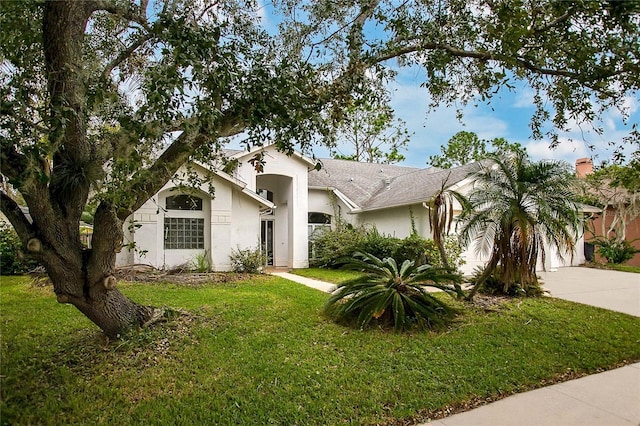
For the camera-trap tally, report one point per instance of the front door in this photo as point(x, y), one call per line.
point(266, 239)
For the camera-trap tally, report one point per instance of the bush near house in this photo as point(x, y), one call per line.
point(615, 250)
point(250, 260)
point(333, 248)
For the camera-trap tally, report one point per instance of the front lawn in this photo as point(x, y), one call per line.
point(335, 276)
point(615, 267)
point(260, 352)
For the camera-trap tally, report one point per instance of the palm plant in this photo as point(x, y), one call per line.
point(392, 294)
point(516, 207)
point(441, 210)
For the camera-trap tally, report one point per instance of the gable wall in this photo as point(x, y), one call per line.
point(230, 218)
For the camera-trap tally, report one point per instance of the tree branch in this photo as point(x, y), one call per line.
point(147, 182)
point(13, 162)
point(125, 54)
point(13, 212)
point(130, 11)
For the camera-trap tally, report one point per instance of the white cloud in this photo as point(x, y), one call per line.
point(524, 98)
point(566, 150)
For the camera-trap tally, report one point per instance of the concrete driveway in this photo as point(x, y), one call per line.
point(617, 291)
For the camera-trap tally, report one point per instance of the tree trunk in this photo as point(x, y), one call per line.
point(106, 306)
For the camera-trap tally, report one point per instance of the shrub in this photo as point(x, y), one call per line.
point(419, 249)
point(12, 261)
point(249, 260)
point(377, 244)
point(615, 251)
point(333, 248)
point(333, 245)
point(393, 295)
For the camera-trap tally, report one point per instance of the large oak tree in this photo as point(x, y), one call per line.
point(108, 98)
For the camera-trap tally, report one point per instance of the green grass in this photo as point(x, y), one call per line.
point(335, 276)
point(260, 352)
point(615, 267)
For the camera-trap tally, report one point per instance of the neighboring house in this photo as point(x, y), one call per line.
point(282, 205)
point(584, 166)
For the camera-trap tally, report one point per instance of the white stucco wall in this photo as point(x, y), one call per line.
point(231, 220)
point(287, 178)
point(397, 221)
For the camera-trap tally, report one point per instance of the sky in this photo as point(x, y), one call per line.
point(508, 117)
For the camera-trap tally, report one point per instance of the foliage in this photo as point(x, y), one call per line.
point(256, 351)
point(334, 247)
point(615, 250)
point(516, 207)
point(378, 244)
point(418, 249)
point(391, 294)
point(466, 147)
point(616, 189)
point(12, 260)
point(335, 244)
point(371, 135)
point(453, 251)
point(201, 262)
point(249, 260)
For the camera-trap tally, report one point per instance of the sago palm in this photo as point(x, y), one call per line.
point(392, 294)
point(516, 207)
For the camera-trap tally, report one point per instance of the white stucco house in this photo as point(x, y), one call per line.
point(279, 207)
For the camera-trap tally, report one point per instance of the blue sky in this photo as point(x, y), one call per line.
point(508, 116)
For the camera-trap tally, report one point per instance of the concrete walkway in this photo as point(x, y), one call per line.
point(611, 398)
point(309, 282)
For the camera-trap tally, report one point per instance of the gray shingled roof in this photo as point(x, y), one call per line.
point(377, 186)
point(358, 181)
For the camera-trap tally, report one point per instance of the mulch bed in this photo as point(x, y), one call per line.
point(148, 274)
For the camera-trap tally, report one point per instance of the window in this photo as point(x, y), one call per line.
point(317, 217)
point(318, 223)
point(183, 233)
point(183, 202)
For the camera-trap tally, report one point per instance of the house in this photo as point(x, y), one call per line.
point(247, 210)
point(584, 167)
point(280, 206)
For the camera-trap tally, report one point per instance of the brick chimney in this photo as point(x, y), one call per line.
point(584, 166)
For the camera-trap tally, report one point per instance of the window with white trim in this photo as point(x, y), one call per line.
point(184, 232)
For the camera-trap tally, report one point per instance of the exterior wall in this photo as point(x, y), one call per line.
point(243, 228)
point(287, 178)
point(231, 220)
point(397, 221)
point(323, 201)
point(632, 233)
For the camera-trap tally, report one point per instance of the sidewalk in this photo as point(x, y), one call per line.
point(318, 285)
point(611, 398)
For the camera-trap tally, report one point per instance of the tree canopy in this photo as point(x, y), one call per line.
point(616, 186)
point(108, 98)
point(370, 134)
point(466, 147)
